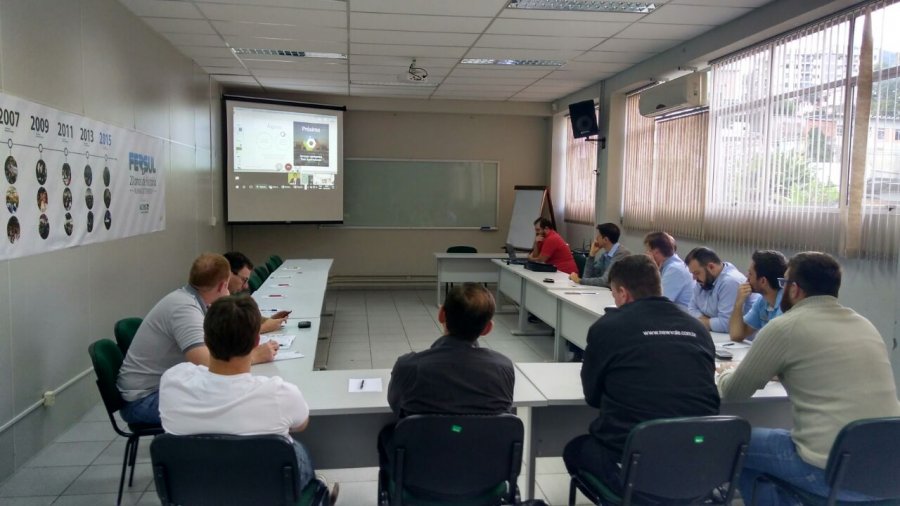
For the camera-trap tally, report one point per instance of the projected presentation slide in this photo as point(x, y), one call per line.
point(284, 161)
point(298, 146)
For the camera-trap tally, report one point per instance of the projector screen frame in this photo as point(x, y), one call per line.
point(226, 149)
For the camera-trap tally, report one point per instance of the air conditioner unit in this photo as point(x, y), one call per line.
point(686, 92)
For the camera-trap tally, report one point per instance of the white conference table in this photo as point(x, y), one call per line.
point(567, 415)
point(533, 293)
point(577, 310)
point(297, 286)
point(465, 268)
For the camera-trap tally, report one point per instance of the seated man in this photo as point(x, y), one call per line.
point(712, 300)
point(646, 360)
point(676, 278)
point(171, 333)
point(549, 247)
point(241, 268)
point(224, 398)
point(455, 376)
point(596, 269)
point(766, 266)
point(833, 364)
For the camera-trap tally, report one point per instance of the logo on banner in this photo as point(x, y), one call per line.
point(143, 174)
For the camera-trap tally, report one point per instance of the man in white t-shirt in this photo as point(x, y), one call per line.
point(224, 398)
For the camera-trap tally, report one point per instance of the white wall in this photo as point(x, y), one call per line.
point(92, 57)
point(516, 135)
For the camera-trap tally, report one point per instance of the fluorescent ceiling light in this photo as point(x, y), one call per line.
point(583, 5)
point(529, 63)
point(280, 52)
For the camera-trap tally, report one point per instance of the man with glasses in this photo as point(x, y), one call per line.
point(766, 267)
point(241, 267)
point(833, 364)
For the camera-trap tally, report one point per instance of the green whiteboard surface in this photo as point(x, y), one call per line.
point(420, 193)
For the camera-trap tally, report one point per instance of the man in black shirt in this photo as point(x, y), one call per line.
point(454, 376)
point(645, 360)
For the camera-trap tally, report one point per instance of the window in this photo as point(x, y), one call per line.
point(581, 188)
point(665, 171)
point(785, 169)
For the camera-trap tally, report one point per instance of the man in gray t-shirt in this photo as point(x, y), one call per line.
point(173, 333)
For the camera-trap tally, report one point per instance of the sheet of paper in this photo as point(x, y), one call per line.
point(283, 340)
point(365, 385)
point(280, 276)
point(735, 346)
point(287, 355)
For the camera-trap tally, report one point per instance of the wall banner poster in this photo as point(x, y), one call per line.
point(70, 180)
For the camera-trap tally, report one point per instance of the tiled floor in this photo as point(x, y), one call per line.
point(368, 329)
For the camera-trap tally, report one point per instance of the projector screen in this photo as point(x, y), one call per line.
point(284, 162)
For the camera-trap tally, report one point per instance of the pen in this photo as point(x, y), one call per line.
point(362, 383)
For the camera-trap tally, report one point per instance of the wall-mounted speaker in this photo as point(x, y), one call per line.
point(584, 119)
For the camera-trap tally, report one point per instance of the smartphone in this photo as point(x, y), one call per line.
point(724, 354)
point(549, 280)
point(304, 324)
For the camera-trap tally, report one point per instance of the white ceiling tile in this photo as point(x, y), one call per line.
point(163, 8)
point(509, 81)
point(536, 42)
point(380, 69)
point(520, 97)
point(465, 95)
point(592, 67)
point(288, 81)
point(469, 88)
point(237, 71)
point(235, 79)
point(210, 61)
point(555, 28)
point(412, 38)
point(523, 54)
point(409, 51)
point(694, 14)
point(204, 51)
point(413, 23)
point(268, 30)
point(365, 59)
point(334, 5)
point(371, 90)
point(480, 8)
point(319, 46)
point(594, 17)
point(194, 39)
point(661, 31)
point(613, 56)
point(300, 75)
point(275, 15)
point(648, 45)
point(729, 3)
point(172, 25)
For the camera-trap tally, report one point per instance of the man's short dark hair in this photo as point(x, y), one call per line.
point(544, 222)
point(637, 274)
point(610, 231)
point(238, 261)
point(703, 256)
point(769, 264)
point(660, 241)
point(231, 326)
point(816, 273)
point(468, 309)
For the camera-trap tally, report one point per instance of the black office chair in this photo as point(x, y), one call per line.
point(223, 470)
point(458, 249)
point(674, 460)
point(580, 259)
point(124, 330)
point(107, 360)
point(865, 458)
point(454, 460)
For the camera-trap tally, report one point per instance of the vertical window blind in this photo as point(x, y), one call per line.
point(581, 187)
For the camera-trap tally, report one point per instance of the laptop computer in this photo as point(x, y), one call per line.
point(511, 251)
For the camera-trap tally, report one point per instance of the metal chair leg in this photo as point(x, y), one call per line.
point(132, 459)
point(124, 468)
point(571, 492)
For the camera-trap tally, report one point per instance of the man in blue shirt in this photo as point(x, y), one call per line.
point(717, 286)
point(676, 279)
point(766, 266)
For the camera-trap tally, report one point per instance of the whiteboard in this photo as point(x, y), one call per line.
point(382, 193)
point(527, 208)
